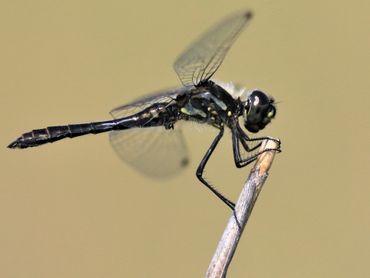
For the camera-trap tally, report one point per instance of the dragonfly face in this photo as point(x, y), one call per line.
point(259, 111)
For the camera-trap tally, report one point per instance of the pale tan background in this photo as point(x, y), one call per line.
point(72, 209)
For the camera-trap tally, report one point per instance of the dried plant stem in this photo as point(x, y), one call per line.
point(247, 198)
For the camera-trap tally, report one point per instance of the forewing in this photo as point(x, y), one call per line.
point(201, 60)
point(154, 151)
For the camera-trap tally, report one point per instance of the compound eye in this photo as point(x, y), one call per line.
point(259, 98)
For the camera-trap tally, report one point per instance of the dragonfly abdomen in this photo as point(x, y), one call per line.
point(145, 118)
point(54, 133)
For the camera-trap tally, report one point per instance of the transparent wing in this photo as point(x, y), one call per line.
point(201, 60)
point(164, 96)
point(154, 151)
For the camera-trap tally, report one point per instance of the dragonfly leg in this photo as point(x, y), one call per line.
point(238, 135)
point(239, 161)
point(202, 165)
point(246, 138)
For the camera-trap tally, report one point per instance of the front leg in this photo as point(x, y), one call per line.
point(239, 136)
point(247, 139)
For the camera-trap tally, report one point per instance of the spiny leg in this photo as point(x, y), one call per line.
point(247, 139)
point(238, 135)
point(239, 161)
point(202, 165)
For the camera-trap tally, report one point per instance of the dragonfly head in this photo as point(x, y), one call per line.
point(259, 109)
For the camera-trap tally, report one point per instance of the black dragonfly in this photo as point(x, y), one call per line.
point(200, 100)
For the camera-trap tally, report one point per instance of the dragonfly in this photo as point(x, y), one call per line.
point(152, 121)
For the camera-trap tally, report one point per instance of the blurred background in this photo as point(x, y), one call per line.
point(73, 209)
